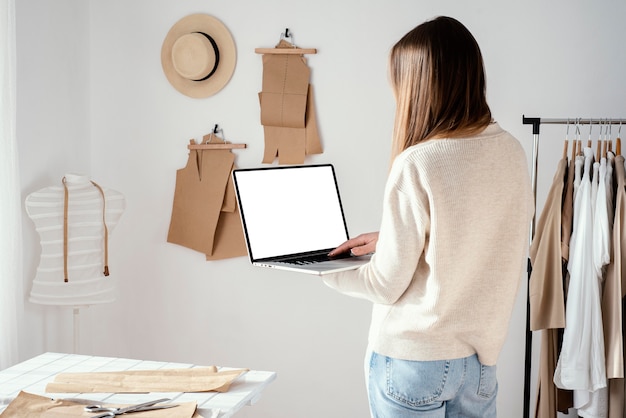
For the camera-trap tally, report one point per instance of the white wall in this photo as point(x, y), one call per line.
point(92, 98)
point(53, 132)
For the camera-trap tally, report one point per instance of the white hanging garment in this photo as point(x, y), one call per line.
point(580, 366)
point(596, 403)
point(594, 187)
point(579, 163)
point(601, 232)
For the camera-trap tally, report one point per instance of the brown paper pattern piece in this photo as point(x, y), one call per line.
point(312, 140)
point(198, 199)
point(288, 110)
point(282, 109)
point(228, 241)
point(28, 405)
point(289, 144)
point(200, 379)
point(204, 213)
point(285, 74)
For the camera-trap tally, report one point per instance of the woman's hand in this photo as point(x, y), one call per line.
point(360, 245)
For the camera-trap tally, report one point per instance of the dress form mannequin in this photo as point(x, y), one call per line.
point(81, 280)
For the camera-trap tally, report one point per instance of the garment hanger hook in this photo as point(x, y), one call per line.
point(287, 36)
point(601, 125)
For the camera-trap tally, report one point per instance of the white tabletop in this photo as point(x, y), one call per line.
point(33, 375)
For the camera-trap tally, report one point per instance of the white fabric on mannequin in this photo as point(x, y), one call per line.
point(86, 283)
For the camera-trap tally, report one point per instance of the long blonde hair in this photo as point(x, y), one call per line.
point(438, 78)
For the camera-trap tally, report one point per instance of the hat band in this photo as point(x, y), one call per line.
point(217, 56)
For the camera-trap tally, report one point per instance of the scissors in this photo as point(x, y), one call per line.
point(111, 412)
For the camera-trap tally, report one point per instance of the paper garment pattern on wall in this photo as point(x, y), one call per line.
point(287, 108)
point(205, 216)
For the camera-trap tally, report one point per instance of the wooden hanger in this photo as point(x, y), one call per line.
point(286, 51)
point(207, 144)
point(285, 47)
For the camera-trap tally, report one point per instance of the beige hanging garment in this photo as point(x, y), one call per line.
point(546, 295)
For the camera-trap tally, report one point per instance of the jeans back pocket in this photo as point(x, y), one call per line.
point(416, 383)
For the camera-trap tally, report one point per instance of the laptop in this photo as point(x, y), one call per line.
point(292, 218)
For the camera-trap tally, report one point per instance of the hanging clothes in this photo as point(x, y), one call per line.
point(590, 358)
point(567, 211)
point(597, 401)
point(601, 231)
point(607, 192)
point(614, 292)
point(547, 305)
point(581, 365)
point(610, 188)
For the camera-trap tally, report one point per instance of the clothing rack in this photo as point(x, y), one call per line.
point(536, 122)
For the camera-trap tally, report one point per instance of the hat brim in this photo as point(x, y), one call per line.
point(226, 45)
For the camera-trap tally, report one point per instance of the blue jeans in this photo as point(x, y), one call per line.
point(435, 389)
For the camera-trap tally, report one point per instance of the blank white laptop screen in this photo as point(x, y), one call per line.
point(289, 210)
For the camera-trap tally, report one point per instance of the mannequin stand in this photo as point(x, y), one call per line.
point(76, 316)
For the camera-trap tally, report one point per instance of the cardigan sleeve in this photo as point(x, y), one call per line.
point(402, 237)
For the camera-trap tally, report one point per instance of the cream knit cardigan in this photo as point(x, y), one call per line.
point(451, 251)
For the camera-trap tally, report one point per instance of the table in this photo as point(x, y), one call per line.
point(33, 375)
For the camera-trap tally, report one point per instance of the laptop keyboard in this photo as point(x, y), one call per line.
point(313, 258)
point(309, 260)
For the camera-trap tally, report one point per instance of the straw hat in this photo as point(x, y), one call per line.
point(198, 55)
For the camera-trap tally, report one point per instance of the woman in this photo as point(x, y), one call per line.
point(453, 236)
